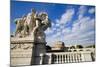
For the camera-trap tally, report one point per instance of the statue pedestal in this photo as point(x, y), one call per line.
point(39, 50)
point(24, 51)
point(21, 51)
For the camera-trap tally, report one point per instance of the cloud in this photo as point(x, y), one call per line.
point(83, 24)
point(66, 31)
point(77, 38)
point(81, 31)
point(66, 17)
point(49, 31)
point(92, 10)
point(54, 29)
point(57, 34)
point(57, 25)
point(52, 23)
point(81, 11)
point(88, 25)
point(87, 35)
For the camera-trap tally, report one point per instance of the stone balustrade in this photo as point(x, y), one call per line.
point(21, 54)
point(70, 57)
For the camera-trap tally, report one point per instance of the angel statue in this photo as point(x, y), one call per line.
point(24, 25)
point(33, 25)
point(42, 23)
point(19, 26)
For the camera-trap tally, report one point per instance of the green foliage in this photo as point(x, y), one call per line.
point(90, 46)
point(79, 46)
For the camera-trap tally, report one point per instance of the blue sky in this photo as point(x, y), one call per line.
point(72, 24)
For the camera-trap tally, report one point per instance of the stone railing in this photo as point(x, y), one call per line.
point(70, 57)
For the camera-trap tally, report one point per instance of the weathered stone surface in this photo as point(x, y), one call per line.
point(29, 41)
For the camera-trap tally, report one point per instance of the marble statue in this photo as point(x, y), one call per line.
point(30, 19)
point(30, 38)
point(42, 23)
point(19, 26)
point(33, 24)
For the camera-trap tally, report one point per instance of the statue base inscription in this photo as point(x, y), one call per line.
point(24, 51)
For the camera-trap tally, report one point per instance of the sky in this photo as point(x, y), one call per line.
point(72, 24)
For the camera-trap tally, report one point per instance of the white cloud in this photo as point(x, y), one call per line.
point(49, 31)
point(58, 30)
point(83, 38)
point(66, 17)
point(57, 21)
point(87, 35)
point(84, 24)
point(57, 34)
point(76, 27)
point(54, 29)
point(88, 25)
point(57, 25)
point(81, 11)
point(52, 23)
point(82, 31)
point(62, 26)
point(92, 10)
point(66, 31)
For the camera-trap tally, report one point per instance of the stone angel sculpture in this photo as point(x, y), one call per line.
point(33, 25)
point(24, 25)
point(42, 23)
point(19, 26)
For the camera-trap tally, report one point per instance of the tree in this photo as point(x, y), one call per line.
point(79, 46)
point(93, 46)
point(72, 47)
point(48, 47)
point(90, 46)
